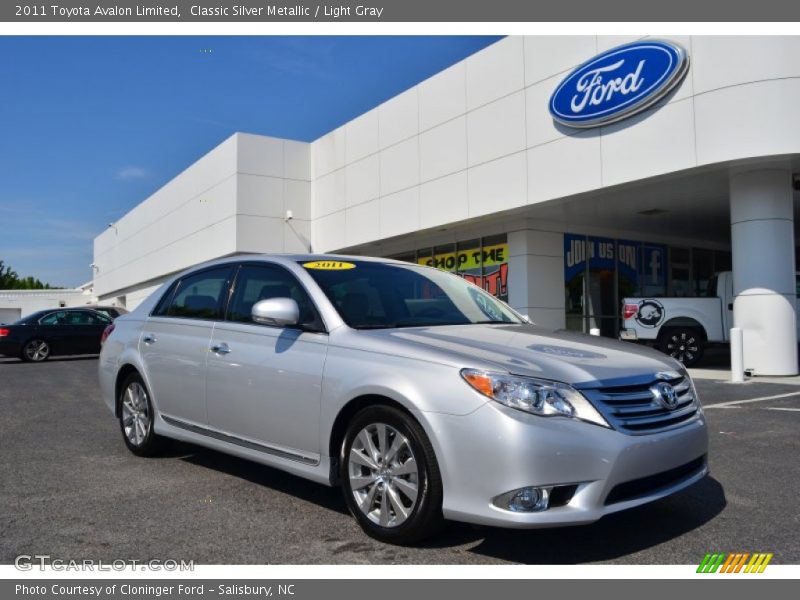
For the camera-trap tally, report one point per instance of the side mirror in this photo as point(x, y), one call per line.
point(278, 312)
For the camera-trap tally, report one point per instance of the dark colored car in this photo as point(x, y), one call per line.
point(52, 332)
point(110, 311)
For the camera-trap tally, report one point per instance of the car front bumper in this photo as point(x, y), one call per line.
point(496, 449)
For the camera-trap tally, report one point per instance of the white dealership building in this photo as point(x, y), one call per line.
point(470, 171)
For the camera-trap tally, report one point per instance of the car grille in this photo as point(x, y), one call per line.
point(634, 409)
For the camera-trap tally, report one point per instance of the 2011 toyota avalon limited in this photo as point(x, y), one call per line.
point(418, 393)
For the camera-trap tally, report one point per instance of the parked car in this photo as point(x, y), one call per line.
point(683, 327)
point(53, 332)
point(110, 311)
point(418, 393)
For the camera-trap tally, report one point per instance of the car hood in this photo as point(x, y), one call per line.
point(575, 358)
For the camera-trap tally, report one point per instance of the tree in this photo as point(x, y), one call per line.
point(7, 276)
point(10, 280)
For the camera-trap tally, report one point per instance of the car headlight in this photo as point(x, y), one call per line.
point(536, 396)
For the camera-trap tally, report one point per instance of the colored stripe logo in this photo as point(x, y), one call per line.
point(735, 562)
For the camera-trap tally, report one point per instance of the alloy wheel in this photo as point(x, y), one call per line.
point(37, 350)
point(383, 475)
point(135, 414)
point(682, 346)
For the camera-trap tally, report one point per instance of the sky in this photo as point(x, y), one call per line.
point(91, 126)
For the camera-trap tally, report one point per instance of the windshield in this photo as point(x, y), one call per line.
point(371, 295)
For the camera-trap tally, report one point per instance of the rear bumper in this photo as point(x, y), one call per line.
point(9, 348)
point(495, 450)
point(628, 335)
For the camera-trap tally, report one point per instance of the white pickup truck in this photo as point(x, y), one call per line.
point(682, 327)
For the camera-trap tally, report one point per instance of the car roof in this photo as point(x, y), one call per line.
point(288, 258)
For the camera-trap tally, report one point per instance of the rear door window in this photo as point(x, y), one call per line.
point(200, 295)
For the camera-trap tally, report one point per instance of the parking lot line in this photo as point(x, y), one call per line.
point(749, 400)
point(786, 409)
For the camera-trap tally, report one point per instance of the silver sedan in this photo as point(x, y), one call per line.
point(419, 394)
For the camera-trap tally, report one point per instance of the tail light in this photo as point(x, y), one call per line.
point(628, 310)
point(106, 332)
point(4, 332)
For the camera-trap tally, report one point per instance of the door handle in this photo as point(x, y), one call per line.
point(222, 348)
point(149, 338)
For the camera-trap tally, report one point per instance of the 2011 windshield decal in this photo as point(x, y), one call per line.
point(618, 83)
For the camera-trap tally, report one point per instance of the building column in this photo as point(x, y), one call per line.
point(536, 275)
point(762, 241)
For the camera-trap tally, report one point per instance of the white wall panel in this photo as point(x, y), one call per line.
point(443, 149)
point(497, 185)
point(398, 119)
point(757, 119)
point(328, 194)
point(328, 152)
point(399, 166)
point(259, 155)
point(443, 96)
point(443, 200)
point(495, 71)
point(722, 61)
point(362, 180)
point(548, 55)
point(362, 223)
point(658, 141)
point(361, 136)
point(567, 166)
point(496, 129)
point(399, 213)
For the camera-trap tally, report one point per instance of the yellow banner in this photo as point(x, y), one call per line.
point(467, 260)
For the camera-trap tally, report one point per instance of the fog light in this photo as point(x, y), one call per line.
point(529, 499)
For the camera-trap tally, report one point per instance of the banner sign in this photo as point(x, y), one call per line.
point(467, 263)
point(633, 259)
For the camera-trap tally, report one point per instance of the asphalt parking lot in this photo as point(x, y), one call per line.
point(70, 489)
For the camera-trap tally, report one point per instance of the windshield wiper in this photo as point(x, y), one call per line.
point(490, 322)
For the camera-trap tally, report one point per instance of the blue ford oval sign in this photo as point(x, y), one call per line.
point(618, 83)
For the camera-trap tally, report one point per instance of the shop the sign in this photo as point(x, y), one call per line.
point(618, 83)
point(486, 267)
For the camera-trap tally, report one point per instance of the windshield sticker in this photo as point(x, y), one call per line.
point(329, 265)
point(487, 307)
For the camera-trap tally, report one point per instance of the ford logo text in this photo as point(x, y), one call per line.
point(618, 83)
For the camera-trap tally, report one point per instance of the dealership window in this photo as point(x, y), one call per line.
point(482, 261)
point(600, 272)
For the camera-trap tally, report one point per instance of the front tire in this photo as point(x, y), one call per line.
point(136, 418)
point(35, 350)
point(390, 478)
point(684, 344)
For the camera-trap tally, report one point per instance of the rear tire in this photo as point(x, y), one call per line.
point(136, 416)
point(36, 350)
point(390, 478)
point(684, 344)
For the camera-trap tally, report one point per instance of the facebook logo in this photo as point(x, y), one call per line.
point(654, 264)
